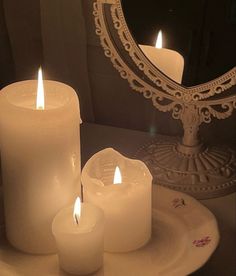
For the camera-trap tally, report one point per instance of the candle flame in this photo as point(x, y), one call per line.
point(40, 91)
point(117, 176)
point(77, 210)
point(159, 40)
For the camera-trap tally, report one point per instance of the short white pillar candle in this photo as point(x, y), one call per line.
point(126, 204)
point(79, 237)
point(40, 154)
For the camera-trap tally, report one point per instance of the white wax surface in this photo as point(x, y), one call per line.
point(170, 62)
point(127, 206)
point(80, 247)
point(40, 151)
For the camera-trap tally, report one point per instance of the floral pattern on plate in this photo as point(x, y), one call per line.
point(202, 242)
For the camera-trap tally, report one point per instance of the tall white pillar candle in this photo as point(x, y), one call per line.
point(80, 239)
point(170, 62)
point(126, 205)
point(40, 152)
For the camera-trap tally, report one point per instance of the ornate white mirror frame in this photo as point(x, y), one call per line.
point(186, 165)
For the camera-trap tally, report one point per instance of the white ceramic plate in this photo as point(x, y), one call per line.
point(185, 234)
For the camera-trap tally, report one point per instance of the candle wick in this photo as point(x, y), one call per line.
point(76, 220)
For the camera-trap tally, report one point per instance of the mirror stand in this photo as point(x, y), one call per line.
point(187, 165)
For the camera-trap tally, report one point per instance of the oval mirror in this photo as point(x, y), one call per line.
point(190, 103)
point(201, 32)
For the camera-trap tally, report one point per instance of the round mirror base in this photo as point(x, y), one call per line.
point(209, 173)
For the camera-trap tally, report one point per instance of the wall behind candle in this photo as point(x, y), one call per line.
point(49, 33)
point(23, 24)
point(65, 48)
point(7, 72)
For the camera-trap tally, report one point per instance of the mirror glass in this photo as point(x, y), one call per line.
point(203, 32)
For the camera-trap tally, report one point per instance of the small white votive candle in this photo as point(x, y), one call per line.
point(122, 188)
point(79, 236)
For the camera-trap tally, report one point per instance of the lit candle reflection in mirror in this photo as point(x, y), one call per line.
point(117, 176)
point(168, 61)
point(159, 40)
point(40, 91)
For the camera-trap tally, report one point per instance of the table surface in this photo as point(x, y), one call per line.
point(97, 137)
